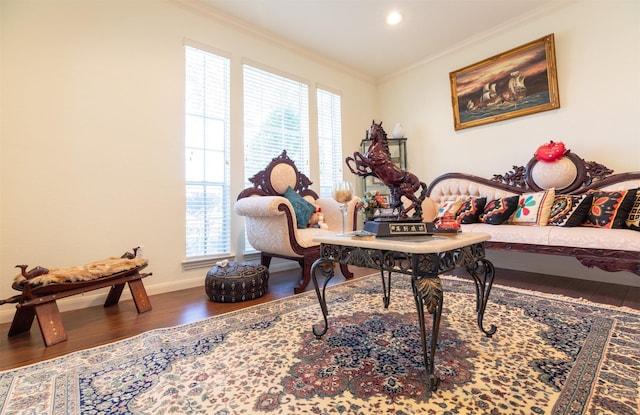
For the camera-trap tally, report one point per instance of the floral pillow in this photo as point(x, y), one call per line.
point(301, 207)
point(449, 208)
point(569, 210)
point(609, 209)
point(534, 208)
point(471, 210)
point(633, 220)
point(498, 211)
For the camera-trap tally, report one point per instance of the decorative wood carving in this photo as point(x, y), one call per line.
point(262, 180)
point(605, 259)
point(588, 173)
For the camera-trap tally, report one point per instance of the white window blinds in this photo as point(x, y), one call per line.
point(276, 118)
point(329, 140)
point(207, 154)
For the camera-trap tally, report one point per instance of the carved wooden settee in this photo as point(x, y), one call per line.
point(607, 249)
point(271, 221)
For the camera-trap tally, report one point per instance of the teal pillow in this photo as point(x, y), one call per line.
point(303, 209)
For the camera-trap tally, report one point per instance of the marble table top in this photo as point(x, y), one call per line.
point(422, 244)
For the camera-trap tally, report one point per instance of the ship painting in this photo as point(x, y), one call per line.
point(518, 82)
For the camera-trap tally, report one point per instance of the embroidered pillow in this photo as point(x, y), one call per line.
point(534, 208)
point(498, 211)
point(449, 208)
point(610, 209)
point(471, 210)
point(633, 220)
point(570, 210)
point(301, 207)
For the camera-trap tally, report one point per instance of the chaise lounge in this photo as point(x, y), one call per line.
point(596, 212)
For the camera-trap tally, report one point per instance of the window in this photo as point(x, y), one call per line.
point(329, 140)
point(206, 154)
point(276, 118)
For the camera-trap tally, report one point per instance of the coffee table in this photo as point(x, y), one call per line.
point(424, 258)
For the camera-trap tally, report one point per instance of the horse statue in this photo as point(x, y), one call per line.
point(377, 162)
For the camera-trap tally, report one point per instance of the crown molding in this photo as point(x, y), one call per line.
point(243, 26)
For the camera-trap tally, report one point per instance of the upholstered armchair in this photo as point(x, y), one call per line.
point(277, 228)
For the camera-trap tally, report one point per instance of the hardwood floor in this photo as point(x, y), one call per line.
point(94, 326)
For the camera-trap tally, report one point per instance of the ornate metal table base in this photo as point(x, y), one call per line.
point(425, 283)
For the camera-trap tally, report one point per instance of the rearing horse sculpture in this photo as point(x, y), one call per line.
point(377, 162)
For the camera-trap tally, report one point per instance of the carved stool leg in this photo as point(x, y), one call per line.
point(50, 322)
point(139, 295)
point(22, 320)
point(114, 295)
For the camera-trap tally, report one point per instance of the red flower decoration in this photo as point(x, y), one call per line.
point(551, 151)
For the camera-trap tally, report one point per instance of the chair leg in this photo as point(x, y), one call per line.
point(306, 264)
point(265, 260)
point(344, 268)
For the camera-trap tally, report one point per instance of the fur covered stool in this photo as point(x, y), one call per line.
point(229, 282)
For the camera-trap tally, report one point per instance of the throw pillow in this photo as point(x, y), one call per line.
point(471, 210)
point(449, 208)
point(534, 208)
point(301, 207)
point(610, 209)
point(633, 220)
point(569, 210)
point(498, 211)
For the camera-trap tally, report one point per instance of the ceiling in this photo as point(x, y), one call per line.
point(354, 34)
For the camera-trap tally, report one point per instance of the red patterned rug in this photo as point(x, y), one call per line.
point(549, 356)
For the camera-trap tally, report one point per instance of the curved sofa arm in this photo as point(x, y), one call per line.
point(261, 206)
point(270, 224)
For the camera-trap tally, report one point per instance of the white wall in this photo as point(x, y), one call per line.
point(598, 59)
point(91, 144)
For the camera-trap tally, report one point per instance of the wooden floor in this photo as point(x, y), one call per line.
point(95, 326)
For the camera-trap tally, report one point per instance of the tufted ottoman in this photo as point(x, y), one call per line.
point(238, 281)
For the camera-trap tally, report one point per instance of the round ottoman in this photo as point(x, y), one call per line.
point(238, 281)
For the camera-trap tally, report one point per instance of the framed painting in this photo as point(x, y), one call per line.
point(518, 82)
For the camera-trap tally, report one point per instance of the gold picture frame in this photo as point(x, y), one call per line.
point(517, 82)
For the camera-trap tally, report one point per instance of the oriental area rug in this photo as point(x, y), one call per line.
point(550, 355)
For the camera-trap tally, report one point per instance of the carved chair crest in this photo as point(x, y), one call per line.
point(279, 174)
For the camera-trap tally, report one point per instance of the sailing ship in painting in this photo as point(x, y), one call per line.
point(514, 91)
point(517, 89)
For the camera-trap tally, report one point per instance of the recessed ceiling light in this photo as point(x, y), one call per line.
point(394, 17)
